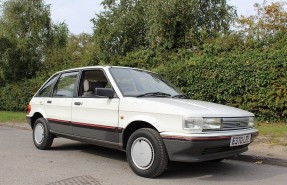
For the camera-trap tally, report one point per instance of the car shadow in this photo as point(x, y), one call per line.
point(206, 170)
point(90, 149)
point(227, 170)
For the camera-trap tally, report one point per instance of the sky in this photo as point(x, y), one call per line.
point(78, 13)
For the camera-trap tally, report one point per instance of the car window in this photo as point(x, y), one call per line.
point(66, 85)
point(45, 91)
point(91, 80)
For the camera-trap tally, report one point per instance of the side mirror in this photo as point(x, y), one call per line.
point(105, 92)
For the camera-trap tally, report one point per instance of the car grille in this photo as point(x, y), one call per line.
point(234, 123)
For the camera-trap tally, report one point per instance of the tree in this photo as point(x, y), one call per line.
point(268, 20)
point(26, 33)
point(120, 28)
point(79, 51)
point(129, 25)
point(186, 23)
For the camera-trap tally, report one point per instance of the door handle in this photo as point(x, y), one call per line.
point(49, 101)
point(78, 103)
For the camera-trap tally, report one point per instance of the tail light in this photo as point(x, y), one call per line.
point(29, 108)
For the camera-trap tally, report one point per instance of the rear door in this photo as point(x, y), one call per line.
point(93, 116)
point(58, 105)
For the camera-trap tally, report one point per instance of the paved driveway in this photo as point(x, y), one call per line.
point(71, 162)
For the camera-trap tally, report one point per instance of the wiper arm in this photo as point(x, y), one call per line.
point(158, 94)
point(180, 96)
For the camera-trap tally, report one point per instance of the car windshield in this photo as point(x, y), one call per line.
point(138, 83)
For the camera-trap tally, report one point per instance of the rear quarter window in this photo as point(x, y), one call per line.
point(46, 89)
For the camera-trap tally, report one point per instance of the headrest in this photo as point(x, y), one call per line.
point(90, 86)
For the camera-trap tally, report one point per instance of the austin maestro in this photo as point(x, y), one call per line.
point(139, 112)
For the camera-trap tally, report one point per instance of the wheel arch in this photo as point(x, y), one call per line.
point(132, 127)
point(36, 116)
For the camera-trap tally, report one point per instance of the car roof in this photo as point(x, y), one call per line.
point(101, 67)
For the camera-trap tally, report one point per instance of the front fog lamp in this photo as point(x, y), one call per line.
point(251, 122)
point(193, 123)
point(212, 123)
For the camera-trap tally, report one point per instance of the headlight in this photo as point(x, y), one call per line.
point(193, 123)
point(251, 122)
point(212, 123)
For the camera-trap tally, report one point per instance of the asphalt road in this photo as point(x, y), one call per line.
point(70, 162)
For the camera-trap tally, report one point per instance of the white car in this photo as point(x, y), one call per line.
point(139, 112)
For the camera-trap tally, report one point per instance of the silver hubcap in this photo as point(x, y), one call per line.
point(39, 133)
point(142, 153)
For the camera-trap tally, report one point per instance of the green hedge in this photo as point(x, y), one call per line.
point(251, 75)
point(247, 75)
point(16, 96)
point(254, 81)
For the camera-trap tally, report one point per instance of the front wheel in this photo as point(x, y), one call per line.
point(217, 160)
point(42, 137)
point(146, 153)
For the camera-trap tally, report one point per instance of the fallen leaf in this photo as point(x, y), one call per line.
point(258, 162)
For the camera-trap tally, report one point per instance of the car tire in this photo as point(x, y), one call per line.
point(42, 137)
point(217, 160)
point(146, 153)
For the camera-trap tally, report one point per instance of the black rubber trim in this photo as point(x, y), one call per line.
point(85, 125)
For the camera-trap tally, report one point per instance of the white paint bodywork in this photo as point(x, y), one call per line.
point(168, 114)
point(100, 111)
point(165, 114)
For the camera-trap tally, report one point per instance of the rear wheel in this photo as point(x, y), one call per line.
point(42, 137)
point(146, 153)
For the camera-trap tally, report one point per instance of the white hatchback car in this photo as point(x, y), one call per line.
point(139, 112)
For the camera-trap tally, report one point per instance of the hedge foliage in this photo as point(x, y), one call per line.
point(16, 96)
point(254, 81)
point(230, 71)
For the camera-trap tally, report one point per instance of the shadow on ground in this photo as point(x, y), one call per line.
point(227, 170)
point(91, 149)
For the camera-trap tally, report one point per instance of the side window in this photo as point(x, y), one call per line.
point(92, 80)
point(66, 85)
point(45, 91)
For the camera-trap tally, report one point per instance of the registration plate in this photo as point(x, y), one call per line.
point(240, 140)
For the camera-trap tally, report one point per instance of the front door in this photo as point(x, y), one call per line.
point(93, 116)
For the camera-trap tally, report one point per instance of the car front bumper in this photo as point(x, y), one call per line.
point(204, 146)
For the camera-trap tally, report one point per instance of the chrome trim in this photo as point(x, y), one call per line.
point(211, 134)
point(235, 123)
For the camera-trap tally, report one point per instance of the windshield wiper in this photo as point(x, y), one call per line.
point(158, 94)
point(180, 96)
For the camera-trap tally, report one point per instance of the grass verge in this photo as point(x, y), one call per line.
point(17, 117)
point(272, 129)
point(276, 133)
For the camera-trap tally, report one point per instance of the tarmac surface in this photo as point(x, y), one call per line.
point(259, 151)
point(70, 162)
